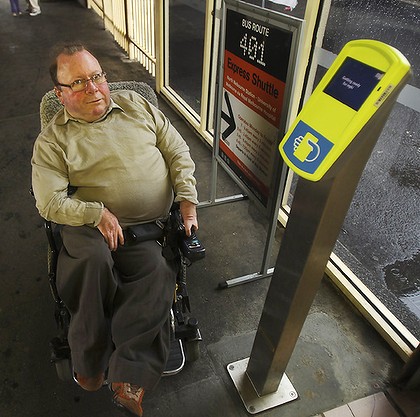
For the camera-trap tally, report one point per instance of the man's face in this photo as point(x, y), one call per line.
point(89, 104)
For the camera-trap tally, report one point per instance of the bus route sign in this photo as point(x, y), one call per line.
point(256, 62)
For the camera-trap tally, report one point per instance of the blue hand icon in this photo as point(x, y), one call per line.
point(306, 148)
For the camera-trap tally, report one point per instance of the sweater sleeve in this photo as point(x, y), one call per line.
point(50, 186)
point(177, 155)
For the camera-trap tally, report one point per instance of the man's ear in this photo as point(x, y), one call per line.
point(59, 94)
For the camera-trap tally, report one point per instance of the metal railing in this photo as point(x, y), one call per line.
point(132, 24)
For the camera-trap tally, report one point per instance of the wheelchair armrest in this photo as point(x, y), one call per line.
point(53, 235)
point(190, 246)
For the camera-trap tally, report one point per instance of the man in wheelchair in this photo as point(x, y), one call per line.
point(126, 164)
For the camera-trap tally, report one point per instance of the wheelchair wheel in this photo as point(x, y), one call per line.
point(64, 370)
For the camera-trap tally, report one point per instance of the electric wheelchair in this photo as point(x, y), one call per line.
point(185, 334)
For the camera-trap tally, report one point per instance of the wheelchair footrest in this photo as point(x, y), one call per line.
point(176, 360)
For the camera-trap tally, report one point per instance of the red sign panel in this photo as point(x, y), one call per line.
point(256, 60)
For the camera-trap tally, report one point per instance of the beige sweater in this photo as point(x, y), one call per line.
point(131, 161)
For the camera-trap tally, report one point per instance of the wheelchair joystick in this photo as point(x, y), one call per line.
point(192, 248)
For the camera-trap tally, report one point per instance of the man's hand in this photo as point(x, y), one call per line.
point(189, 216)
point(111, 230)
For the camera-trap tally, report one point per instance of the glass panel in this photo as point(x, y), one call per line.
point(186, 45)
point(380, 236)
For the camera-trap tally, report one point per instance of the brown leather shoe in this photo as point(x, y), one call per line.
point(128, 397)
point(91, 383)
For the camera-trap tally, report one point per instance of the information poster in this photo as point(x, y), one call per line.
point(256, 60)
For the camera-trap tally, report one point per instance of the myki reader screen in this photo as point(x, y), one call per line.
point(353, 83)
point(359, 81)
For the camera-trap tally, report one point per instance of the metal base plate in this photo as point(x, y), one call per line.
point(252, 401)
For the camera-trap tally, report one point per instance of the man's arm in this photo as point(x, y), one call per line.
point(189, 215)
point(50, 186)
point(181, 166)
point(52, 200)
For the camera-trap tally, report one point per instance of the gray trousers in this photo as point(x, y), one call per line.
point(119, 304)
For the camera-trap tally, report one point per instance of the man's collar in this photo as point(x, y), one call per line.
point(66, 116)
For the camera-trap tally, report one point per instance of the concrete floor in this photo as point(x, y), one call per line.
point(338, 359)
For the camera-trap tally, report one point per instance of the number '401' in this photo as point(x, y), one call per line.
point(253, 48)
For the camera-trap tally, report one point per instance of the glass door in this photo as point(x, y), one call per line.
point(185, 23)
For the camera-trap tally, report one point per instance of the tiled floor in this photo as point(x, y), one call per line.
point(376, 405)
point(395, 404)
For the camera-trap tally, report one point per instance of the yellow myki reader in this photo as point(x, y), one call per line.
point(354, 88)
point(328, 145)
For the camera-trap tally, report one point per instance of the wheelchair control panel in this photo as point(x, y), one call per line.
point(192, 248)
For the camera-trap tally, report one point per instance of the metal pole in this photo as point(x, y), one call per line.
point(317, 213)
point(213, 200)
point(265, 271)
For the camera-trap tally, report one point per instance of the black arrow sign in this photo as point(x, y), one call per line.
point(229, 119)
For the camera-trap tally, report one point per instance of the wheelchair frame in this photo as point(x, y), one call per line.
point(185, 334)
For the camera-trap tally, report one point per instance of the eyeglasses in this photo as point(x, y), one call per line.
point(80, 85)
